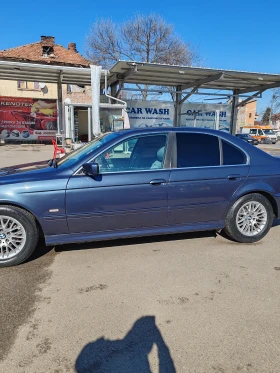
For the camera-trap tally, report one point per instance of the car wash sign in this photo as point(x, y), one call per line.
point(215, 116)
point(161, 114)
point(150, 113)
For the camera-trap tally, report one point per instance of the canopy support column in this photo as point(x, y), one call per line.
point(177, 111)
point(234, 112)
point(95, 89)
point(89, 124)
point(60, 126)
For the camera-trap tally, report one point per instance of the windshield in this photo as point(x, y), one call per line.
point(268, 132)
point(87, 149)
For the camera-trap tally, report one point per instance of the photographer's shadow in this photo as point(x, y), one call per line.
point(127, 355)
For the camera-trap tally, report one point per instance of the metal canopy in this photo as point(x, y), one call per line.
point(144, 73)
point(189, 77)
point(44, 73)
point(181, 77)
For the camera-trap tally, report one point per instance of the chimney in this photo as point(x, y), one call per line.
point(47, 41)
point(72, 47)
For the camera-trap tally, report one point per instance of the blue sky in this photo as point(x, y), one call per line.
point(238, 35)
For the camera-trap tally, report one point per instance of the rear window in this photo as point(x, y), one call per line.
point(232, 155)
point(197, 150)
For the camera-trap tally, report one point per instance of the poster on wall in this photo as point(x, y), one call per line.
point(161, 114)
point(27, 119)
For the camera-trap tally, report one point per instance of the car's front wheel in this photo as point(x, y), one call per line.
point(18, 235)
point(249, 219)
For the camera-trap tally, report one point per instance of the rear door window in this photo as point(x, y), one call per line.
point(232, 155)
point(197, 150)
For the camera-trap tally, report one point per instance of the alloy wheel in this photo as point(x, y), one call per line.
point(251, 218)
point(12, 237)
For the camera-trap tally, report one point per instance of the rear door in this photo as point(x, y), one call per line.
point(207, 174)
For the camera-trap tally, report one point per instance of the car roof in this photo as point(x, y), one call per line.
point(256, 154)
point(138, 130)
point(146, 130)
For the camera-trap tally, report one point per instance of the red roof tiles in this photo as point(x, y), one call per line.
point(46, 52)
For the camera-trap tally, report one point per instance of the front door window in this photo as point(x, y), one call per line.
point(134, 154)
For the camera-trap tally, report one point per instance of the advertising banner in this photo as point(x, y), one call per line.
point(27, 119)
point(215, 116)
point(161, 114)
point(150, 113)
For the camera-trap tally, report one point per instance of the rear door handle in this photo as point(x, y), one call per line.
point(157, 181)
point(234, 177)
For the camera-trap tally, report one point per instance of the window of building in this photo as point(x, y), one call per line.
point(232, 155)
point(22, 84)
point(250, 115)
point(75, 88)
point(138, 153)
point(197, 150)
point(47, 51)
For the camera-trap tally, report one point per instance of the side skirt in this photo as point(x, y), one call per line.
point(112, 235)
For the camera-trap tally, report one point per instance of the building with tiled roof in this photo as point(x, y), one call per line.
point(31, 94)
point(46, 52)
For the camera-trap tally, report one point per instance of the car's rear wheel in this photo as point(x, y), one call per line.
point(18, 235)
point(249, 219)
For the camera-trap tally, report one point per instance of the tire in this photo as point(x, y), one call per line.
point(19, 235)
point(239, 219)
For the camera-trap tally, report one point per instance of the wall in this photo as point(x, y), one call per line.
point(244, 117)
point(10, 88)
point(77, 95)
point(251, 108)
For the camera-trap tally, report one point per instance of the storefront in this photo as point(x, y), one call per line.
point(78, 119)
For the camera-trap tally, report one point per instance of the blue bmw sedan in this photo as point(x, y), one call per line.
point(140, 182)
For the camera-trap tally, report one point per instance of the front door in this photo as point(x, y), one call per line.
point(207, 174)
point(130, 192)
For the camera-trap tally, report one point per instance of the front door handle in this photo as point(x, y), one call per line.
point(234, 177)
point(157, 181)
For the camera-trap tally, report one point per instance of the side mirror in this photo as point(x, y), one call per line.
point(91, 168)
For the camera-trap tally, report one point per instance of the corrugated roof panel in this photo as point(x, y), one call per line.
point(159, 74)
point(145, 73)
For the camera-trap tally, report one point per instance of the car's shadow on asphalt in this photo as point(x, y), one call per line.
point(42, 249)
point(134, 241)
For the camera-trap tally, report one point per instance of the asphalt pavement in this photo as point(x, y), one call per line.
point(194, 303)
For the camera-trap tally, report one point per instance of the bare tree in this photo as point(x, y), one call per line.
point(144, 38)
point(275, 101)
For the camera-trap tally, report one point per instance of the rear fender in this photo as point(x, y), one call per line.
point(258, 187)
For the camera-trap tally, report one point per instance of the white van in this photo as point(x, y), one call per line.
point(260, 133)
